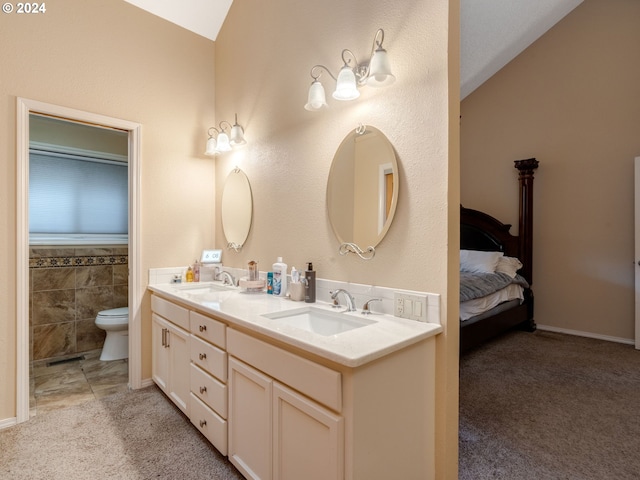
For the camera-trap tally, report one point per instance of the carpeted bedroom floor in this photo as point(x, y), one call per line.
point(550, 406)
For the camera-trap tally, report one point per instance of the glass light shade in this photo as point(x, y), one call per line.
point(317, 98)
point(346, 88)
point(211, 146)
point(223, 142)
point(380, 70)
point(237, 136)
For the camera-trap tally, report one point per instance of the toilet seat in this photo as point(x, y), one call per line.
point(114, 316)
point(115, 312)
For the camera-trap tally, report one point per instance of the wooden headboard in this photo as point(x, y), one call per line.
point(480, 231)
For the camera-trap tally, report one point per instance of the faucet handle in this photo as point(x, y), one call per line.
point(366, 309)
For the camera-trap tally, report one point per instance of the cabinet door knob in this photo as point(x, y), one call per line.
point(202, 356)
point(203, 389)
point(203, 328)
point(202, 423)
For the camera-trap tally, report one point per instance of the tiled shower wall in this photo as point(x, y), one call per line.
point(68, 287)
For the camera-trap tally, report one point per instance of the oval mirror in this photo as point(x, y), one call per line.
point(362, 191)
point(236, 209)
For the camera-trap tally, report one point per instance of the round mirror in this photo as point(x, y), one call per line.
point(237, 208)
point(362, 191)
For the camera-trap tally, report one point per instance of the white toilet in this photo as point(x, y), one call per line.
point(116, 323)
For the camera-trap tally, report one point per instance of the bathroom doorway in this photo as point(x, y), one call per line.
point(29, 113)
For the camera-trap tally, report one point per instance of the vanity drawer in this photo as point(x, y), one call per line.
point(170, 311)
point(210, 424)
point(209, 358)
point(316, 381)
point(208, 329)
point(209, 390)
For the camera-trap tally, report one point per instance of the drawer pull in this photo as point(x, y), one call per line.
point(203, 328)
point(202, 423)
point(203, 389)
point(202, 356)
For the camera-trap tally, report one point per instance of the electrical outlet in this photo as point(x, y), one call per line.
point(399, 302)
point(411, 306)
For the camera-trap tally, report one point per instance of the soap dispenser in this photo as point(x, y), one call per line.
point(310, 284)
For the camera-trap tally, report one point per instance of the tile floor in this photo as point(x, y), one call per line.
point(71, 383)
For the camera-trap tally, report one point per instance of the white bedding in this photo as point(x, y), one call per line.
point(474, 307)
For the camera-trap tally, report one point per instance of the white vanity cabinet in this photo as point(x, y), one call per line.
point(170, 351)
point(282, 412)
point(276, 432)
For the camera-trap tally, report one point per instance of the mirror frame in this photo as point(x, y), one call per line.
point(236, 209)
point(335, 175)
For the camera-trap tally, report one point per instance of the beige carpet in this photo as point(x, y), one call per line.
point(550, 406)
point(132, 435)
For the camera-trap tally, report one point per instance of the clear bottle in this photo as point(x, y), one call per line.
point(279, 278)
point(196, 271)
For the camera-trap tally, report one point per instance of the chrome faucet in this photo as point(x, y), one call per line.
point(227, 278)
point(351, 303)
point(366, 309)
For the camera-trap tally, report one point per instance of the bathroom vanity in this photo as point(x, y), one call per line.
point(289, 390)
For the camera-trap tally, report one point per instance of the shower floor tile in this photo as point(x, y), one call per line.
point(75, 381)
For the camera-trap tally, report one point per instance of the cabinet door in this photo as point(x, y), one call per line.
point(159, 353)
point(179, 363)
point(249, 422)
point(308, 439)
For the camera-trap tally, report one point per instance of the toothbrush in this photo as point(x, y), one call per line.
point(295, 275)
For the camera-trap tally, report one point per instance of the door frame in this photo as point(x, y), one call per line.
point(24, 108)
point(636, 260)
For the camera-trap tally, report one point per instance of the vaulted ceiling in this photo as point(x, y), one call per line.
point(492, 32)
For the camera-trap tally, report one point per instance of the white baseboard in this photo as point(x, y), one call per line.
point(8, 422)
point(578, 333)
point(147, 382)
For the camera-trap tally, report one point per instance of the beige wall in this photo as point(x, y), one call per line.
point(571, 100)
point(114, 59)
point(263, 57)
point(132, 66)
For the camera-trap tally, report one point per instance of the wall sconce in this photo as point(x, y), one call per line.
point(223, 141)
point(375, 73)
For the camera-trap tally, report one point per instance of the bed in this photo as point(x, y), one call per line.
point(483, 239)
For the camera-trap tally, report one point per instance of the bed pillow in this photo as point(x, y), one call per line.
point(508, 265)
point(475, 261)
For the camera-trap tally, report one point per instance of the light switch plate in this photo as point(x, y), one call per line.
point(411, 306)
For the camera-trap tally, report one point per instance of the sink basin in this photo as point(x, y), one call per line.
point(318, 320)
point(198, 288)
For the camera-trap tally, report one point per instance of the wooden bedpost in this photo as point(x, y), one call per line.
point(526, 169)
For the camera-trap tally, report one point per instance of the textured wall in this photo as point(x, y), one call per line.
point(571, 100)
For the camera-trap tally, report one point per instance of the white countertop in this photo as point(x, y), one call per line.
point(351, 348)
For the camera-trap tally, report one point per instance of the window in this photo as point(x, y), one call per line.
point(76, 199)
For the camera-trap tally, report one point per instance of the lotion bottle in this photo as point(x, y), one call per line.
point(310, 284)
point(279, 278)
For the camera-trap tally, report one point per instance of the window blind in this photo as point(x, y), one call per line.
point(73, 195)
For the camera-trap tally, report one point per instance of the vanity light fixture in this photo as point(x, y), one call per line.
point(375, 73)
point(221, 141)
